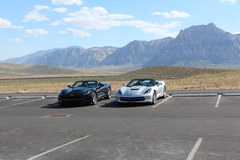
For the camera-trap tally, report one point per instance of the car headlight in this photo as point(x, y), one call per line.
point(119, 92)
point(86, 93)
point(147, 91)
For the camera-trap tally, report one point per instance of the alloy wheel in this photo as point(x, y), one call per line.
point(94, 98)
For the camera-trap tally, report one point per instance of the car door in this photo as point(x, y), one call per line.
point(100, 90)
point(160, 88)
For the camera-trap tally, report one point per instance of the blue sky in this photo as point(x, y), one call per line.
point(27, 26)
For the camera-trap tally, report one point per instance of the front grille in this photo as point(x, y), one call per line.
point(132, 98)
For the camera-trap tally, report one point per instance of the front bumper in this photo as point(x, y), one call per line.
point(83, 99)
point(134, 99)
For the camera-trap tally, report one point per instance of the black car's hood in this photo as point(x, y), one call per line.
point(77, 91)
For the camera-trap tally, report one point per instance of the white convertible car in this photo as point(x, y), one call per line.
point(141, 91)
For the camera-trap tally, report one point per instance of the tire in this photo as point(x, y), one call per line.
point(119, 104)
point(154, 98)
point(164, 93)
point(94, 98)
point(61, 104)
point(108, 94)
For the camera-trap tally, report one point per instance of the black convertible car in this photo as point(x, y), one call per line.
point(85, 92)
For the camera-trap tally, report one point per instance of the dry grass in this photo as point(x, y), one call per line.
point(180, 78)
point(227, 80)
point(205, 81)
point(22, 86)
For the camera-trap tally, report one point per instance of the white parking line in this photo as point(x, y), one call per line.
point(162, 101)
point(218, 101)
point(194, 149)
point(20, 103)
point(97, 106)
point(56, 148)
point(16, 100)
point(105, 103)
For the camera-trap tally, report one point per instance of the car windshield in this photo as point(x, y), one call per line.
point(85, 84)
point(141, 82)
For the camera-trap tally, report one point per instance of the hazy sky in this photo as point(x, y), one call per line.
point(27, 26)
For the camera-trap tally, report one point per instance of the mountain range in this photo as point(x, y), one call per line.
point(10, 70)
point(196, 46)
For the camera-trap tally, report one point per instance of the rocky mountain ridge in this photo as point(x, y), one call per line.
point(196, 46)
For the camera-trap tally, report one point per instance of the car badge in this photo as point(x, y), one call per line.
point(72, 95)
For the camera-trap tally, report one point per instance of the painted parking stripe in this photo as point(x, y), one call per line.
point(20, 103)
point(194, 149)
point(16, 100)
point(56, 148)
point(162, 102)
point(218, 101)
point(97, 106)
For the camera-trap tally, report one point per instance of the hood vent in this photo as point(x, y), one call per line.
point(76, 90)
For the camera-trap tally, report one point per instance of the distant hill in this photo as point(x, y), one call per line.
point(30, 59)
point(136, 52)
point(12, 66)
point(8, 70)
point(168, 72)
point(200, 46)
point(48, 70)
point(196, 46)
point(12, 70)
point(77, 57)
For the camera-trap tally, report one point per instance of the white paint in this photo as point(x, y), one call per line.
point(194, 149)
point(97, 106)
point(20, 103)
point(16, 100)
point(56, 148)
point(162, 101)
point(218, 101)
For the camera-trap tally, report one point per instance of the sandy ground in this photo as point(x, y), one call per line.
point(196, 82)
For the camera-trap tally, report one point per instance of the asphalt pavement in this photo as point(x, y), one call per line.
point(187, 125)
point(235, 92)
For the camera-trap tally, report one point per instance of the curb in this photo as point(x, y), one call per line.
point(7, 97)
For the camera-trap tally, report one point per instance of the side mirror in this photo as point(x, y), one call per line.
point(124, 84)
point(69, 86)
point(100, 84)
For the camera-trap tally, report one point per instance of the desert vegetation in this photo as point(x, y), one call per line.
point(177, 78)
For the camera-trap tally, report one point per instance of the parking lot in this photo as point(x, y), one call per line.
point(183, 126)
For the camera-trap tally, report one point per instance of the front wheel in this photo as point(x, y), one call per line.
point(164, 92)
point(60, 104)
point(108, 94)
point(154, 98)
point(94, 98)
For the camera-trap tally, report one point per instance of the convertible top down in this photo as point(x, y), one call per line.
point(141, 91)
point(88, 91)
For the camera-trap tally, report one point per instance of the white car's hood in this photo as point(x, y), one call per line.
point(134, 90)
